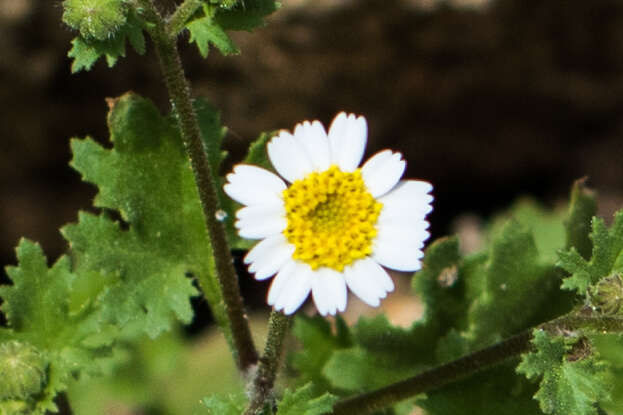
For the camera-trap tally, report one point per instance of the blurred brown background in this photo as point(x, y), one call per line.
point(488, 100)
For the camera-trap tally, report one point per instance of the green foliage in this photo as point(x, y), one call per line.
point(55, 343)
point(573, 379)
point(257, 154)
point(605, 259)
point(220, 406)
point(318, 342)
point(86, 50)
point(508, 298)
point(211, 27)
point(146, 178)
point(496, 391)
point(246, 15)
point(303, 402)
point(95, 19)
point(582, 208)
point(204, 31)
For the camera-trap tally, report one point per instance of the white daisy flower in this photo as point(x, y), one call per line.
point(335, 225)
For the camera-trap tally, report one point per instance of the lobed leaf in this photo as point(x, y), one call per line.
point(303, 401)
point(211, 27)
point(204, 31)
point(582, 208)
point(607, 245)
point(86, 51)
point(146, 178)
point(54, 342)
point(570, 384)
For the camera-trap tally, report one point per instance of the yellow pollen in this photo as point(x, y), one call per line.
point(331, 217)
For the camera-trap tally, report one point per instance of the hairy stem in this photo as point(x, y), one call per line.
point(177, 21)
point(468, 365)
point(180, 96)
point(264, 380)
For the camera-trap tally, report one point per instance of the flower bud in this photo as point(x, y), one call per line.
point(607, 296)
point(22, 370)
point(99, 19)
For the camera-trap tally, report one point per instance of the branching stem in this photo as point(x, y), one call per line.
point(468, 365)
point(180, 96)
point(264, 380)
point(177, 21)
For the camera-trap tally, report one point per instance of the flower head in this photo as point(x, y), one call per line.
point(335, 225)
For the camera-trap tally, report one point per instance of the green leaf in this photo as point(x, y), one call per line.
point(221, 406)
point(573, 381)
point(146, 178)
point(496, 391)
point(607, 247)
point(303, 401)
point(547, 226)
point(54, 343)
point(97, 19)
point(246, 15)
point(318, 344)
point(205, 31)
point(515, 288)
point(582, 208)
point(86, 51)
point(257, 154)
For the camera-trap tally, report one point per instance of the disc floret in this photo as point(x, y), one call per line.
point(331, 218)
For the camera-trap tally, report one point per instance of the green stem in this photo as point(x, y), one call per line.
point(180, 96)
point(463, 367)
point(264, 380)
point(177, 21)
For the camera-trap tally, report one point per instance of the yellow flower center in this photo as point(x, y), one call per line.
point(331, 217)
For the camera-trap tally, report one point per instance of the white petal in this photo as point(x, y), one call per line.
point(313, 138)
point(295, 290)
point(272, 260)
point(329, 291)
point(382, 172)
point(409, 195)
point(289, 157)
point(260, 212)
point(347, 139)
point(264, 246)
point(252, 185)
point(393, 255)
point(408, 237)
point(368, 281)
point(280, 281)
point(262, 227)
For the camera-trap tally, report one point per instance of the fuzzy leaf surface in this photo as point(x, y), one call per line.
point(37, 308)
point(211, 27)
point(582, 208)
point(204, 31)
point(303, 401)
point(568, 386)
point(318, 343)
point(605, 259)
point(86, 51)
point(146, 178)
point(515, 286)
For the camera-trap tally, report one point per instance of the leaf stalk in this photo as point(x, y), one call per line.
point(178, 87)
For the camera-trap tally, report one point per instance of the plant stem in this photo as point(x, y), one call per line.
point(177, 21)
point(468, 365)
point(264, 380)
point(180, 96)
